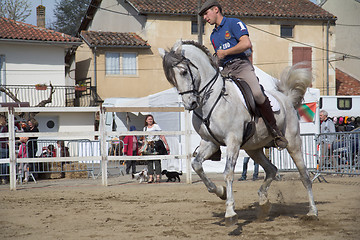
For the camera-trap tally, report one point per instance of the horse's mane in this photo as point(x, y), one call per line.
point(172, 57)
point(212, 59)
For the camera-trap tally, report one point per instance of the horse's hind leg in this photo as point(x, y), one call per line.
point(259, 157)
point(206, 149)
point(296, 154)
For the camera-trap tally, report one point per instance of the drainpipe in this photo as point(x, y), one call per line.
point(95, 71)
point(199, 26)
point(327, 57)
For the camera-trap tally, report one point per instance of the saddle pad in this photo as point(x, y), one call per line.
point(275, 105)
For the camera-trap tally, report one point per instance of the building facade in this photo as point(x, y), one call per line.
point(282, 34)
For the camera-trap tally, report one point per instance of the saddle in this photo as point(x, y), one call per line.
point(249, 128)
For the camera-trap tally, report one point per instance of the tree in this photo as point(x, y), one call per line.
point(17, 10)
point(68, 15)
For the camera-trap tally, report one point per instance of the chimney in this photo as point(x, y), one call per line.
point(40, 16)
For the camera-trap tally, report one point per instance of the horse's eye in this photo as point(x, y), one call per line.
point(184, 72)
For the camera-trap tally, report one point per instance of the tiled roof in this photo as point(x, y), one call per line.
point(114, 39)
point(13, 30)
point(303, 9)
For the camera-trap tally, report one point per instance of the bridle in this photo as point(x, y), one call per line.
point(194, 89)
point(197, 93)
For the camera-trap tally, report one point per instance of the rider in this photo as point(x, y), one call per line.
point(231, 42)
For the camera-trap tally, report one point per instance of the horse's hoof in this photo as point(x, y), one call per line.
point(264, 210)
point(222, 195)
point(230, 221)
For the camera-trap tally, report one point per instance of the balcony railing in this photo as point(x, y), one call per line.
point(63, 96)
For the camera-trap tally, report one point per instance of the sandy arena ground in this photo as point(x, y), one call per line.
point(83, 209)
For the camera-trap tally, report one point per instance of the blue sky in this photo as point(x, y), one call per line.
point(49, 11)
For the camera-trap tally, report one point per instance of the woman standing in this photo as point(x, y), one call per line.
point(131, 149)
point(150, 125)
point(32, 144)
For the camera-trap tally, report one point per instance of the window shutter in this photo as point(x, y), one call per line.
point(301, 54)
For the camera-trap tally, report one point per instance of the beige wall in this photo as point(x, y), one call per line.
point(271, 54)
point(347, 34)
point(122, 18)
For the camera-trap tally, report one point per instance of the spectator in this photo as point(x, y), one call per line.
point(150, 125)
point(32, 126)
point(4, 148)
point(245, 166)
point(49, 151)
point(340, 125)
point(350, 124)
point(62, 151)
point(115, 147)
point(327, 126)
point(131, 149)
point(23, 153)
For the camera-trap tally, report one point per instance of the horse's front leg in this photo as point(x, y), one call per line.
point(232, 154)
point(205, 150)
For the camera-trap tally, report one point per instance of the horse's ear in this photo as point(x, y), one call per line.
point(178, 47)
point(162, 52)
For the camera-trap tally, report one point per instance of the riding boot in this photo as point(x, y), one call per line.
point(270, 122)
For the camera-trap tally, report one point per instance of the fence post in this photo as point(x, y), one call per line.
point(188, 146)
point(103, 149)
point(12, 154)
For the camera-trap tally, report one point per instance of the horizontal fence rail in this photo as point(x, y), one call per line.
point(93, 158)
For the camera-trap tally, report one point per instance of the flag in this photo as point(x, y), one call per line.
point(307, 111)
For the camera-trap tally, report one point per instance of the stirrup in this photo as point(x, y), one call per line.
point(282, 140)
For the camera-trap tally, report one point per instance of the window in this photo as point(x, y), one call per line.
point(129, 63)
point(286, 31)
point(194, 27)
point(302, 54)
point(121, 63)
point(344, 103)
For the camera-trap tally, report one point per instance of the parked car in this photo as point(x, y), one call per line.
point(347, 148)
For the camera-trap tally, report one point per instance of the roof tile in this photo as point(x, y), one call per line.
point(111, 39)
point(10, 29)
point(248, 8)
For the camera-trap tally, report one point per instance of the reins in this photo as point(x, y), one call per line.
point(196, 92)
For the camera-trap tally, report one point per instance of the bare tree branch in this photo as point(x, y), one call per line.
point(27, 115)
point(17, 10)
point(9, 94)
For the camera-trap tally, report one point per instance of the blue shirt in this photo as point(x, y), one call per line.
point(227, 35)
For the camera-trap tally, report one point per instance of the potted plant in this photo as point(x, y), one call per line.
point(80, 87)
point(40, 86)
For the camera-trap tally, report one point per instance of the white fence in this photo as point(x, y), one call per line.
point(341, 157)
point(103, 158)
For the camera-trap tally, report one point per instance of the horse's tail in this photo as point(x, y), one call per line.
point(294, 81)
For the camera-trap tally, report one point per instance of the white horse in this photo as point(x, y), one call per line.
point(220, 117)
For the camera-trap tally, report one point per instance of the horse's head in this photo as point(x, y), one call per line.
point(181, 72)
